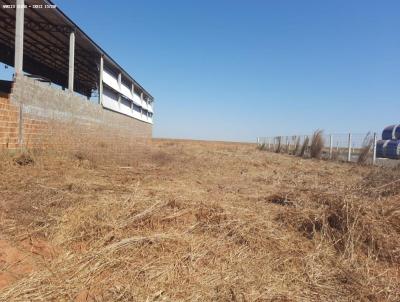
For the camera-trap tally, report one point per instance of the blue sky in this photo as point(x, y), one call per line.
point(235, 70)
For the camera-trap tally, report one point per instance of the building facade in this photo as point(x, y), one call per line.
point(62, 75)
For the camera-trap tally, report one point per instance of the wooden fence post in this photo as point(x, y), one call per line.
point(330, 146)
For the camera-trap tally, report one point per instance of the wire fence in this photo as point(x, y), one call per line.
point(339, 146)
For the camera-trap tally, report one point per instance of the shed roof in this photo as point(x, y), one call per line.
point(46, 46)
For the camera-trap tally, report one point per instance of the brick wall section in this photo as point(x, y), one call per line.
point(45, 110)
point(33, 131)
point(9, 124)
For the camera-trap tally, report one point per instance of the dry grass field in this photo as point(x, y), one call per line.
point(196, 221)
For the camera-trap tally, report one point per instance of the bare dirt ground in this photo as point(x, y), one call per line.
point(196, 221)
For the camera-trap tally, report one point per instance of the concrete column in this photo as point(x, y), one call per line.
point(141, 103)
point(374, 150)
point(71, 67)
point(133, 94)
point(19, 37)
point(119, 81)
point(101, 81)
point(349, 148)
point(120, 89)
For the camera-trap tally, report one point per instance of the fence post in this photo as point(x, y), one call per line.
point(294, 144)
point(269, 143)
point(330, 146)
point(349, 153)
point(374, 150)
point(258, 141)
point(287, 144)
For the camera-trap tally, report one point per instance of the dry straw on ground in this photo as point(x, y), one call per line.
point(196, 221)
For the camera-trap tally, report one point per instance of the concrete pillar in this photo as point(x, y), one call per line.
point(120, 89)
point(141, 103)
point(101, 81)
point(119, 81)
point(19, 37)
point(374, 150)
point(71, 66)
point(349, 148)
point(133, 94)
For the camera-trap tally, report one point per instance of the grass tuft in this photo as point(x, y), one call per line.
point(262, 147)
point(278, 148)
point(297, 146)
point(24, 159)
point(304, 147)
point(317, 144)
point(365, 148)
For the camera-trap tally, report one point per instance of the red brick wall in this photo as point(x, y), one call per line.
point(51, 117)
point(9, 124)
point(31, 132)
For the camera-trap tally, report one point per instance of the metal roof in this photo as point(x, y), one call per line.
point(46, 47)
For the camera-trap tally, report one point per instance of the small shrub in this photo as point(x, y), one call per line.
point(24, 159)
point(335, 154)
point(317, 144)
point(262, 147)
point(304, 147)
point(79, 155)
point(278, 148)
point(161, 158)
point(297, 147)
point(365, 148)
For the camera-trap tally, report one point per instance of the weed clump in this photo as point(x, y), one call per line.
point(297, 147)
point(24, 159)
point(317, 144)
point(304, 147)
point(262, 147)
point(365, 149)
point(278, 148)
